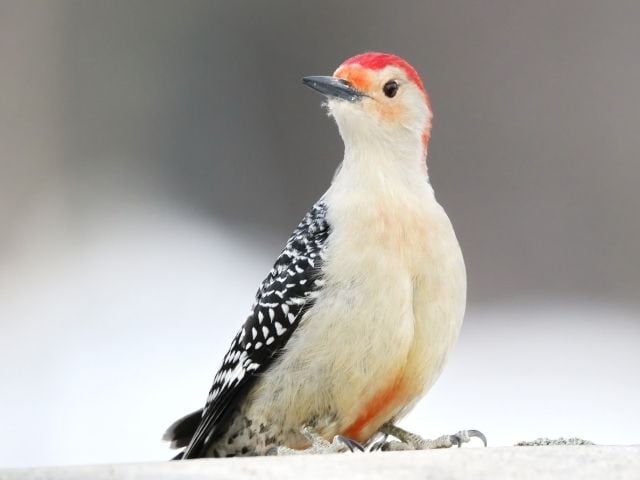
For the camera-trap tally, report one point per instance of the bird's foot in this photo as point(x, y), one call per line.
point(319, 445)
point(411, 441)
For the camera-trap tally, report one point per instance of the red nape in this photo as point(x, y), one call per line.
point(378, 61)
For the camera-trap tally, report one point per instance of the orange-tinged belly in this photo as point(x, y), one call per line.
point(377, 411)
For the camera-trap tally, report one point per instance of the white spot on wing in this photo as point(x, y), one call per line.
point(279, 329)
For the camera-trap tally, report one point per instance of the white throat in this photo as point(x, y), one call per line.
point(377, 167)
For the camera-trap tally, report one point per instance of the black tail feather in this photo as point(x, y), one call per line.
point(181, 431)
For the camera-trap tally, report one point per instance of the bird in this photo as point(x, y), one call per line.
point(356, 319)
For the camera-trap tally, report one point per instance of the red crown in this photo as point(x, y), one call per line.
point(378, 61)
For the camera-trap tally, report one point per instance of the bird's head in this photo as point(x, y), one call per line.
point(377, 99)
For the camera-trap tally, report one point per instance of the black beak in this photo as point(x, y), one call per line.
point(333, 87)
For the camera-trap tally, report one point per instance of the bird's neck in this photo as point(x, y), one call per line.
point(384, 168)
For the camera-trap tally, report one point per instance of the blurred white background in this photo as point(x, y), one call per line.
point(154, 156)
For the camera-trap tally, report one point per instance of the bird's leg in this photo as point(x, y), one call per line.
point(320, 445)
point(411, 441)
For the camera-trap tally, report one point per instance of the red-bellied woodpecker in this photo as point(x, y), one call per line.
point(356, 319)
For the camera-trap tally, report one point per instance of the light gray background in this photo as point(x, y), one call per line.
point(155, 155)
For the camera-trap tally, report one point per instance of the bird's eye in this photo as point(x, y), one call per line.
point(390, 88)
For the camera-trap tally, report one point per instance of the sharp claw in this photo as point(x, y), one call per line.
point(379, 444)
point(455, 440)
point(350, 443)
point(477, 434)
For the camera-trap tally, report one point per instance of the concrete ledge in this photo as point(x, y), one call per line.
point(540, 463)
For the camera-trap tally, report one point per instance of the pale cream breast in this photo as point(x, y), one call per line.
point(416, 243)
point(386, 318)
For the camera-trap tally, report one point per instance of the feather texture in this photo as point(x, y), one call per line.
point(281, 302)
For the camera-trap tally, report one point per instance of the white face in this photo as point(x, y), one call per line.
point(393, 109)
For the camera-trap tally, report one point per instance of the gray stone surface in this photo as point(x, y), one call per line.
point(540, 463)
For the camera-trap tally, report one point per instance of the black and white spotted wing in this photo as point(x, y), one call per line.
point(284, 296)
